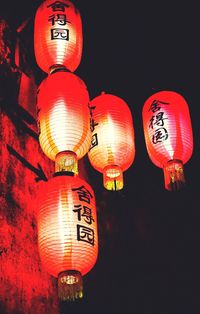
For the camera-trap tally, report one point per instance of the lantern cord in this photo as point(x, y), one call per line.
point(174, 175)
point(70, 285)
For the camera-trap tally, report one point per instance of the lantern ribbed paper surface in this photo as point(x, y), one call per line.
point(67, 226)
point(57, 35)
point(63, 115)
point(167, 129)
point(113, 149)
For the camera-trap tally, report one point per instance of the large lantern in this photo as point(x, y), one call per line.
point(57, 35)
point(112, 148)
point(67, 232)
point(64, 119)
point(168, 135)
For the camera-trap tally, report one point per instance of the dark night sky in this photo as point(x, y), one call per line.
point(149, 259)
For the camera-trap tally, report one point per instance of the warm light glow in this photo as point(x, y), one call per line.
point(67, 226)
point(112, 136)
point(167, 129)
point(63, 115)
point(58, 35)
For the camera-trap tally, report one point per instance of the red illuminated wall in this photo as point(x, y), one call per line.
point(25, 287)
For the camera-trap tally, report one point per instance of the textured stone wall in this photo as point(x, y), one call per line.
point(25, 287)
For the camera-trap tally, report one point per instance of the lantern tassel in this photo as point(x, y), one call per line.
point(174, 175)
point(113, 178)
point(70, 285)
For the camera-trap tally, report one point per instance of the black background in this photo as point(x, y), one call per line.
point(149, 259)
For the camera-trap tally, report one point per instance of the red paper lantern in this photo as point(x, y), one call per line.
point(64, 118)
point(57, 35)
point(168, 135)
point(112, 149)
point(67, 232)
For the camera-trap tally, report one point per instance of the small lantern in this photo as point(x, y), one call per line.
point(112, 149)
point(64, 119)
point(67, 232)
point(168, 135)
point(57, 36)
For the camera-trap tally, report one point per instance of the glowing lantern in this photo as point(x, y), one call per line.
point(64, 119)
point(112, 148)
point(67, 232)
point(168, 135)
point(57, 35)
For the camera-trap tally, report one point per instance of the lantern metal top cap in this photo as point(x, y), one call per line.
point(57, 68)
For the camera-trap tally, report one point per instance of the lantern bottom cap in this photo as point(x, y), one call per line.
point(174, 175)
point(113, 178)
point(66, 161)
point(70, 285)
